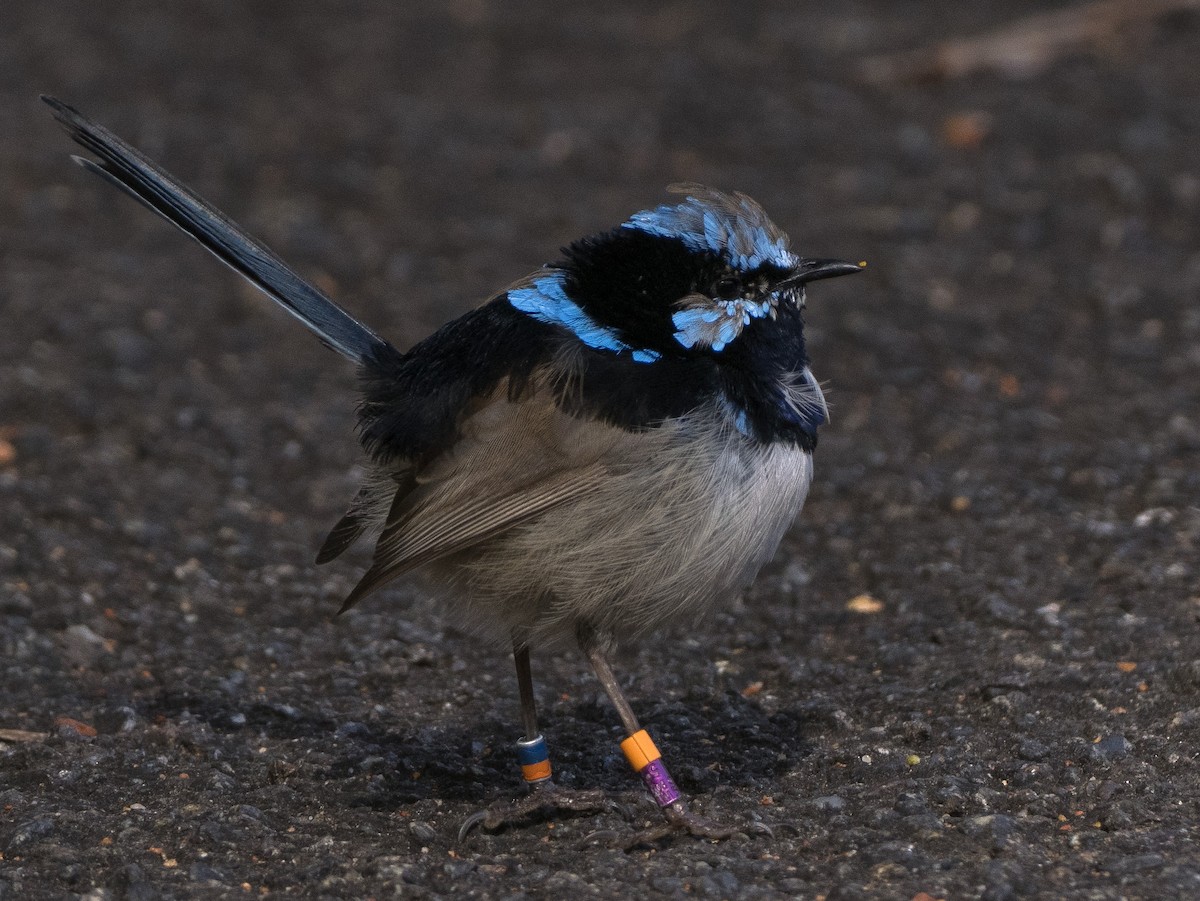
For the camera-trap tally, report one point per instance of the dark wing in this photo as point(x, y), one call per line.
point(366, 511)
point(349, 528)
point(427, 534)
point(512, 462)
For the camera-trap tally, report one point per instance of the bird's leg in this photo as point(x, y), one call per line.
point(645, 759)
point(535, 768)
point(531, 750)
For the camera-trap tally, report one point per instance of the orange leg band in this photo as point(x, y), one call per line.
point(640, 750)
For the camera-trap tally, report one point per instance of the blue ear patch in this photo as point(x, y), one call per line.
point(731, 225)
point(715, 324)
point(546, 300)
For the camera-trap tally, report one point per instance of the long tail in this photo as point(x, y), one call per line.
point(156, 189)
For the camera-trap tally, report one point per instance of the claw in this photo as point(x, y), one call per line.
point(647, 837)
point(542, 797)
point(757, 828)
point(600, 836)
point(470, 823)
point(680, 819)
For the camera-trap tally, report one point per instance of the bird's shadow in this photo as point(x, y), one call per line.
point(707, 739)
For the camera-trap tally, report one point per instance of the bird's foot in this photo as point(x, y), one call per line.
point(542, 797)
point(680, 820)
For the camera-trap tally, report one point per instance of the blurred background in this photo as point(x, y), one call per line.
point(973, 667)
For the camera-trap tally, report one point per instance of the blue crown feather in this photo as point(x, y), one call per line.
point(729, 224)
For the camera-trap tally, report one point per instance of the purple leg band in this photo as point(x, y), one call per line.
point(659, 782)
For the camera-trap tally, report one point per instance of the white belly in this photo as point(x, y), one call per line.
point(688, 518)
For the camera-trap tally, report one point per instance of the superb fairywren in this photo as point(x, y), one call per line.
point(618, 439)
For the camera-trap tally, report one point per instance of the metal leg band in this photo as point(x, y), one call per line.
point(534, 759)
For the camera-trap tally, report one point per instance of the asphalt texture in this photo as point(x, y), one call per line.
point(972, 670)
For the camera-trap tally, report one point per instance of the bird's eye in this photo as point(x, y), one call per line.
point(729, 287)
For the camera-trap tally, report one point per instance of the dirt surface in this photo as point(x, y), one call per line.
point(1010, 474)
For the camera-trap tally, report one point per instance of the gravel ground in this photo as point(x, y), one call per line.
point(973, 669)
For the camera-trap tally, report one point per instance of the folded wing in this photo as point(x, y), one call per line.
point(512, 462)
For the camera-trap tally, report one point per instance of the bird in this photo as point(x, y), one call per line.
point(614, 442)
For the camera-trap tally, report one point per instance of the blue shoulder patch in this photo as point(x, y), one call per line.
point(546, 300)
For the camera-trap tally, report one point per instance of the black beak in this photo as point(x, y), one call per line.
point(815, 270)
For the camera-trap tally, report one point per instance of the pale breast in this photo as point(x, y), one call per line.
point(688, 515)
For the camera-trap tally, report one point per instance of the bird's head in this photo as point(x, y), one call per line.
point(681, 279)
